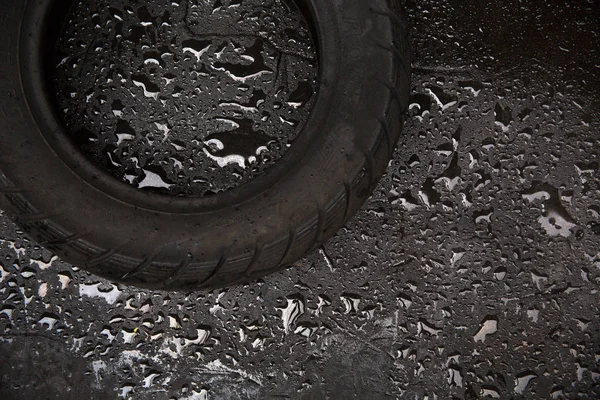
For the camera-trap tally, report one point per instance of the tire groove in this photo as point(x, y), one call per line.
point(388, 135)
point(179, 270)
point(213, 274)
point(394, 92)
point(64, 241)
point(258, 250)
point(387, 13)
point(397, 54)
point(370, 166)
point(142, 265)
point(322, 219)
point(25, 218)
point(348, 190)
point(106, 254)
point(6, 189)
point(291, 239)
point(100, 258)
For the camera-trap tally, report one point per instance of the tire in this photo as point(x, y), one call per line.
point(113, 230)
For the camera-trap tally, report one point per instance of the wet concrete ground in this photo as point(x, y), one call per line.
point(473, 272)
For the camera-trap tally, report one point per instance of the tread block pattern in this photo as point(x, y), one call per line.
point(335, 211)
point(271, 255)
point(213, 277)
point(199, 271)
point(258, 250)
point(238, 264)
point(20, 204)
point(85, 250)
point(360, 186)
point(122, 264)
point(303, 240)
point(176, 273)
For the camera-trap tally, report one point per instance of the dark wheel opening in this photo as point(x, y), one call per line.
point(186, 99)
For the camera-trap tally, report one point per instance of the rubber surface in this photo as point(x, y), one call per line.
point(115, 231)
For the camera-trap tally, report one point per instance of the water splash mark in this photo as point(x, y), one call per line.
point(428, 195)
point(4, 274)
point(48, 320)
point(474, 86)
point(94, 290)
point(423, 326)
point(522, 380)
point(197, 47)
point(293, 310)
point(351, 302)
point(306, 329)
point(152, 179)
point(444, 99)
point(8, 311)
point(490, 391)
point(98, 367)
point(45, 265)
point(555, 219)
point(65, 279)
point(421, 103)
point(488, 326)
point(201, 395)
point(150, 90)
point(455, 377)
point(217, 367)
point(324, 301)
point(503, 116)
point(327, 258)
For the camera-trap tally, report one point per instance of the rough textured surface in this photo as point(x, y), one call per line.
point(473, 272)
